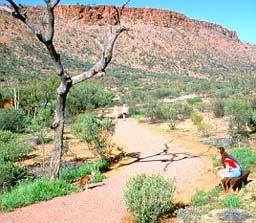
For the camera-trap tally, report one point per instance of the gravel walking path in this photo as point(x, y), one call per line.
point(104, 203)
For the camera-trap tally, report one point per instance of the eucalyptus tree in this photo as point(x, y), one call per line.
point(65, 80)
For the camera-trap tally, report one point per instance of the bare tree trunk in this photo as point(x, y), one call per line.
point(16, 98)
point(58, 137)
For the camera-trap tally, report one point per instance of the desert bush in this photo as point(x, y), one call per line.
point(11, 150)
point(183, 110)
point(161, 92)
point(10, 175)
point(147, 197)
point(218, 108)
point(12, 119)
point(196, 118)
point(36, 95)
point(204, 128)
point(169, 114)
point(253, 102)
point(202, 106)
point(172, 118)
point(87, 96)
point(240, 113)
point(189, 214)
point(233, 215)
point(252, 121)
point(194, 100)
point(95, 132)
point(224, 92)
point(5, 95)
point(152, 109)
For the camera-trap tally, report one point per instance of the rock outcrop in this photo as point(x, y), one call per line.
point(164, 18)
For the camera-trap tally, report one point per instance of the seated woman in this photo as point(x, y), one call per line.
point(230, 168)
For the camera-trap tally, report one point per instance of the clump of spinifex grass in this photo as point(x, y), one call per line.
point(31, 191)
point(28, 192)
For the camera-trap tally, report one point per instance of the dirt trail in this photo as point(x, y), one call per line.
point(104, 203)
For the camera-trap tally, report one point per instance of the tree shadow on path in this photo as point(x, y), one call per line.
point(163, 156)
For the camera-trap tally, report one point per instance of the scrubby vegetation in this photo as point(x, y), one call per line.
point(95, 132)
point(32, 190)
point(12, 149)
point(147, 197)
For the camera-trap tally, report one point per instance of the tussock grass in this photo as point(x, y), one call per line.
point(30, 191)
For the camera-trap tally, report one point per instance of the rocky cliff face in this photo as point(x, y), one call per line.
point(158, 41)
point(104, 14)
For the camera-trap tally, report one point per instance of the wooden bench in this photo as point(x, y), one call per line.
point(235, 183)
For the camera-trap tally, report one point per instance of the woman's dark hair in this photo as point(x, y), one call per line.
point(223, 154)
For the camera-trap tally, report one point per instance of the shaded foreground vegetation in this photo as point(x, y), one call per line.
point(32, 190)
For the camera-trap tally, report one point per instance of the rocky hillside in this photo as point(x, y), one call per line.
point(158, 40)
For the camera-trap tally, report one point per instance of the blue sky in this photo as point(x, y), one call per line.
point(236, 15)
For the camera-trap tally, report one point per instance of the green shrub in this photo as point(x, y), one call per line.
point(170, 114)
point(7, 136)
point(253, 102)
point(231, 201)
point(183, 110)
point(194, 100)
point(6, 94)
point(218, 108)
point(10, 175)
point(95, 132)
point(202, 106)
point(152, 109)
point(204, 128)
point(147, 197)
point(199, 198)
point(196, 118)
point(240, 113)
point(252, 121)
point(12, 119)
point(87, 96)
point(12, 149)
point(30, 191)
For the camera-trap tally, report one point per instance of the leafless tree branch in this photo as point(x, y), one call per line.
point(105, 59)
point(50, 8)
point(18, 13)
point(118, 13)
